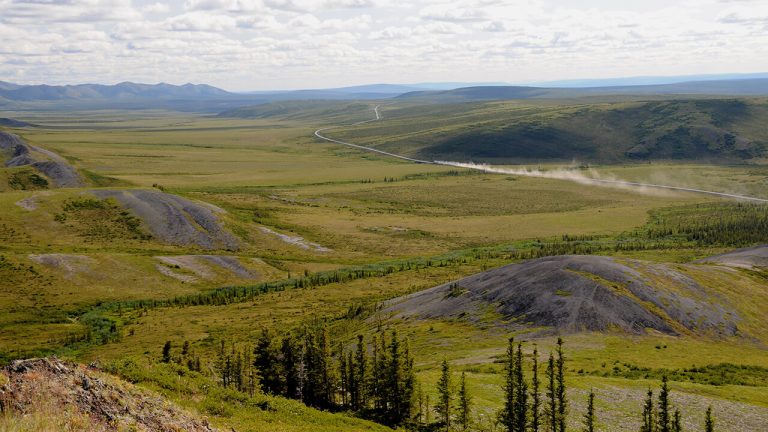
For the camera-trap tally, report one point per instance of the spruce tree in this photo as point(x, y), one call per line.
point(648, 424)
point(589, 417)
point(521, 398)
point(376, 374)
point(167, 352)
point(508, 412)
point(311, 379)
point(562, 402)
point(267, 362)
point(535, 398)
point(465, 402)
point(394, 383)
point(445, 397)
point(326, 370)
point(343, 375)
point(663, 417)
point(709, 422)
point(408, 386)
point(360, 372)
point(351, 383)
point(551, 409)
point(290, 366)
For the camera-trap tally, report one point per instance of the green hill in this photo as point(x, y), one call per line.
point(715, 130)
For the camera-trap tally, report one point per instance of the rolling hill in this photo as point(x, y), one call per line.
point(715, 130)
point(737, 87)
point(570, 294)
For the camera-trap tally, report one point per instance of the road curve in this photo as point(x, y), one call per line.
point(378, 117)
point(491, 169)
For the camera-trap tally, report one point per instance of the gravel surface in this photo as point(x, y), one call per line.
point(174, 219)
point(47, 162)
point(296, 241)
point(70, 264)
point(746, 258)
point(575, 293)
point(199, 265)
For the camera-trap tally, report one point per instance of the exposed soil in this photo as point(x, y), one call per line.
point(9, 122)
point(47, 162)
point(28, 204)
point(179, 276)
point(576, 293)
point(174, 219)
point(199, 265)
point(71, 265)
point(108, 403)
point(297, 241)
point(746, 258)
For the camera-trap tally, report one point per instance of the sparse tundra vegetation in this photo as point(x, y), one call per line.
point(261, 279)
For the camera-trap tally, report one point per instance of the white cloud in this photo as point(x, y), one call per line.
point(448, 12)
point(250, 44)
point(200, 21)
point(156, 9)
point(350, 3)
point(223, 5)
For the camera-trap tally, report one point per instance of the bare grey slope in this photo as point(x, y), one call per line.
point(576, 293)
point(747, 258)
point(174, 219)
point(47, 162)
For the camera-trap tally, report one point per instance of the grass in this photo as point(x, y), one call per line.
point(270, 172)
point(531, 132)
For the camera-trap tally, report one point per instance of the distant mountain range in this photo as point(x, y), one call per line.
point(206, 98)
point(644, 80)
point(740, 87)
point(124, 90)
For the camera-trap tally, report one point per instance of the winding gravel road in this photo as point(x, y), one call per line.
point(578, 178)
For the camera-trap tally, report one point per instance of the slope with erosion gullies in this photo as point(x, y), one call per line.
point(596, 293)
point(718, 130)
point(175, 220)
point(18, 153)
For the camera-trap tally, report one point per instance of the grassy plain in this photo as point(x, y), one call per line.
point(271, 173)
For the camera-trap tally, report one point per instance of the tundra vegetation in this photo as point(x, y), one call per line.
point(280, 288)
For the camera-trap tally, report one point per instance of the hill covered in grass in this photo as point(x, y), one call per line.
point(714, 130)
point(735, 87)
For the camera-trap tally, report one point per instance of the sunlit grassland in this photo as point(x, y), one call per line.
point(436, 214)
point(208, 152)
point(477, 352)
point(273, 173)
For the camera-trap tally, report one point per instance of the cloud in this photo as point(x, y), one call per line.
point(494, 26)
point(156, 9)
point(80, 11)
point(250, 44)
point(449, 13)
point(350, 4)
point(200, 21)
point(223, 5)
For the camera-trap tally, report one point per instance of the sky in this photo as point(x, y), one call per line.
point(243, 45)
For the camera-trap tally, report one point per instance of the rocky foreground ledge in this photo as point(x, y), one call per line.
point(37, 394)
